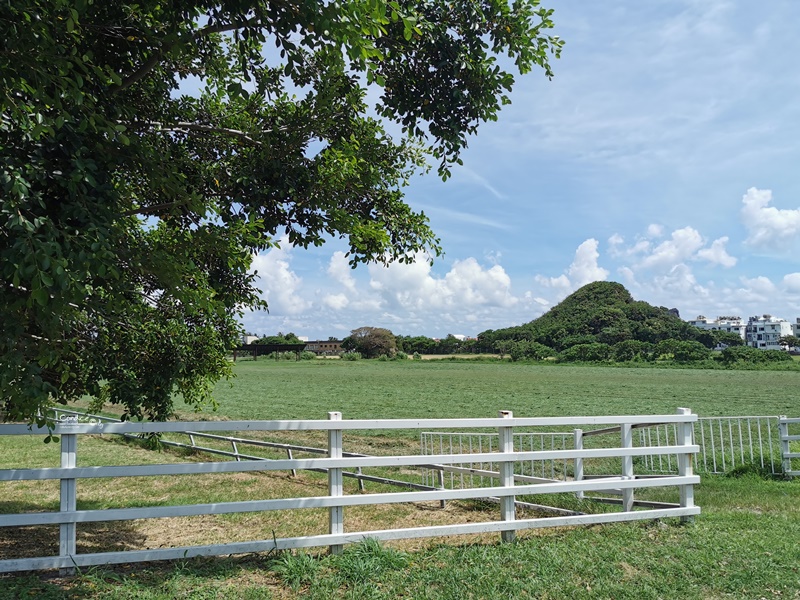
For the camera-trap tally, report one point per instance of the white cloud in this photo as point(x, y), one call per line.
point(717, 254)
point(791, 283)
point(335, 301)
point(768, 227)
point(584, 269)
point(467, 285)
point(340, 271)
point(679, 281)
point(279, 285)
point(759, 290)
point(681, 247)
point(655, 230)
point(617, 250)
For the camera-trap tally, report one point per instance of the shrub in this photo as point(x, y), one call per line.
point(417, 356)
point(752, 356)
point(401, 355)
point(351, 356)
point(687, 352)
point(307, 355)
point(595, 352)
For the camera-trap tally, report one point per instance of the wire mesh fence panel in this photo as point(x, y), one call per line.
point(483, 474)
point(726, 444)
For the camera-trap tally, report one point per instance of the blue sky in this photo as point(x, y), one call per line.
point(664, 155)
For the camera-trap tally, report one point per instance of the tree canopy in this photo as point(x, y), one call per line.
point(371, 342)
point(131, 209)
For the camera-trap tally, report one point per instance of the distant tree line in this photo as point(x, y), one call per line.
point(599, 323)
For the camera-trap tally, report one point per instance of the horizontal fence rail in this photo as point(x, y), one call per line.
point(512, 448)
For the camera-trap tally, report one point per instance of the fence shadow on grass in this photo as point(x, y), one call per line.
point(42, 540)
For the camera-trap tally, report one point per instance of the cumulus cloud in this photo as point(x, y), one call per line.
point(717, 254)
point(584, 269)
point(617, 249)
point(791, 283)
point(466, 285)
point(335, 301)
point(679, 281)
point(759, 290)
point(339, 270)
point(768, 227)
point(279, 285)
point(683, 244)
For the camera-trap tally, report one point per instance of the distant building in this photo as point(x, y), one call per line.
point(730, 324)
point(325, 347)
point(766, 331)
point(249, 339)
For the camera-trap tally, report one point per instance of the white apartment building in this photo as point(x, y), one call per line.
point(766, 331)
point(729, 324)
point(763, 331)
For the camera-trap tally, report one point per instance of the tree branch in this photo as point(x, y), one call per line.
point(158, 54)
point(187, 126)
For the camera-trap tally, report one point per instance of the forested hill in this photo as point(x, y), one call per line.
point(601, 312)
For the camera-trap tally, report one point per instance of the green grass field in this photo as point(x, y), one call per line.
point(266, 389)
point(744, 545)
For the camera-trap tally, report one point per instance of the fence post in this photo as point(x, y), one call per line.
point(69, 499)
point(335, 482)
point(627, 465)
point(507, 509)
point(783, 434)
point(578, 434)
point(685, 467)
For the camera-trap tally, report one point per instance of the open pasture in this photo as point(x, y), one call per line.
point(267, 389)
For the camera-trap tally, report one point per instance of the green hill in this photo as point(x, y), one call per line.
point(601, 312)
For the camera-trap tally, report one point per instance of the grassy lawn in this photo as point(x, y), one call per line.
point(265, 389)
point(744, 545)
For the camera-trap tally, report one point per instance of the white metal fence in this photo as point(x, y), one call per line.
point(725, 444)
point(507, 487)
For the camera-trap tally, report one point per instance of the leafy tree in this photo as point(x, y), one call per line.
point(289, 338)
point(130, 211)
point(690, 351)
point(727, 338)
point(371, 342)
point(789, 341)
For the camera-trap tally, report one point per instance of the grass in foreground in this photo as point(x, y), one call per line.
point(742, 546)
